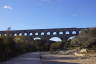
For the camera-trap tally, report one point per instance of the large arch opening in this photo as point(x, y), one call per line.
point(37, 38)
point(70, 38)
point(55, 39)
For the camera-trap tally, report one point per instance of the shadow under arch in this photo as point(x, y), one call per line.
point(55, 39)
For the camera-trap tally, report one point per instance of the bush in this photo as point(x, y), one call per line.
point(7, 47)
point(86, 39)
point(40, 45)
point(55, 46)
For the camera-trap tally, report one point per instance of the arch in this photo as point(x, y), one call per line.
point(48, 33)
point(74, 32)
point(42, 33)
point(0, 34)
point(37, 38)
point(15, 34)
point(20, 34)
point(25, 34)
point(55, 39)
point(30, 34)
point(71, 37)
point(5, 34)
point(60, 32)
point(67, 32)
point(77, 32)
point(54, 33)
point(36, 33)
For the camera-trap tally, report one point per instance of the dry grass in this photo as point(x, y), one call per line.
point(68, 59)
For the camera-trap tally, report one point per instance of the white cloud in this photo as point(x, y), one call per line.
point(8, 7)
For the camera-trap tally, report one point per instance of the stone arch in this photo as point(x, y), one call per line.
point(67, 32)
point(60, 33)
point(20, 34)
point(71, 37)
point(77, 32)
point(36, 33)
point(48, 33)
point(36, 38)
point(42, 33)
point(25, 34)
point(54, 33)
point(30, 34)
point(74, 32)
point(55, 39)
point(15, 34)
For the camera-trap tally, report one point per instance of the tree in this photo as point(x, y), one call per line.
point(10, 46)
point(22, 44)
point(86, 38)
point(2, 49)
point(40, 45)
point(55, 46)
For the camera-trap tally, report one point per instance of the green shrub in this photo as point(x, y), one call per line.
point(86, 39)
point(55, 46)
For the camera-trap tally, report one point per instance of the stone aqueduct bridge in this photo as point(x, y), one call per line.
point(62, 33)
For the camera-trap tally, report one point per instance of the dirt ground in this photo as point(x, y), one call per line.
point(67, 59)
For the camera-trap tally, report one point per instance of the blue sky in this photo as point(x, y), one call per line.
point(42, 14)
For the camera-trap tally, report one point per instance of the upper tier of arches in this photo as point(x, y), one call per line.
point(63, 31)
